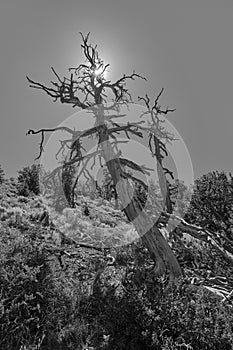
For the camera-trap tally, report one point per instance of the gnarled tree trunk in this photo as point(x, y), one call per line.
point(151, 236)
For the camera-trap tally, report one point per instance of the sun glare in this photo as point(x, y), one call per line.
point(98, 71)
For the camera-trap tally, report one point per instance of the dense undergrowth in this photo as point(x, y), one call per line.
point(56, 295)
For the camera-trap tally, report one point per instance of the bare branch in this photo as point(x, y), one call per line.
point(64, 92)
point(118, 87)
point(81, 158)
point(62, 128)
point(135, 179)
point(128, 127)
point(198, 232)
point(59, 79)
point(42, 131)
point(62, 148)
point(141, 168)
point(157, 98)
point(167, 171)
point(125, 77)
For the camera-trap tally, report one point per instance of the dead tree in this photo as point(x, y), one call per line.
point(87, 89)
point(158, 138)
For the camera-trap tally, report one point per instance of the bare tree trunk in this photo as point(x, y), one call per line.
point(151, 236)
point(162, 177)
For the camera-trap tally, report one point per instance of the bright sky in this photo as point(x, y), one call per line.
point(184, 46)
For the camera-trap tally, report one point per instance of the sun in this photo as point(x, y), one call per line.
point(98, 71)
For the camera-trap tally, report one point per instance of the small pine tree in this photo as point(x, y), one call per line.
point(67, 180)
point(2, 175)
point(211, 204)
point(28, 180)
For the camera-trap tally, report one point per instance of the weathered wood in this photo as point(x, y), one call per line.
point(151, 236)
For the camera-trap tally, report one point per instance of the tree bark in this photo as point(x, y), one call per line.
point(151, 237)
point(162, 177)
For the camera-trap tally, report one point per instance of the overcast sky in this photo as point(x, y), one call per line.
point(184, 46)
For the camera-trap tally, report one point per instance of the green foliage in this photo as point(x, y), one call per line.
point(29, 180)
point(211, 205)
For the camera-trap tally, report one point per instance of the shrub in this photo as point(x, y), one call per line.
point(28, 180)
point(23, 290)
point(142, 314)
point(39, 305)
point(2, 175)
point(211, 204)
